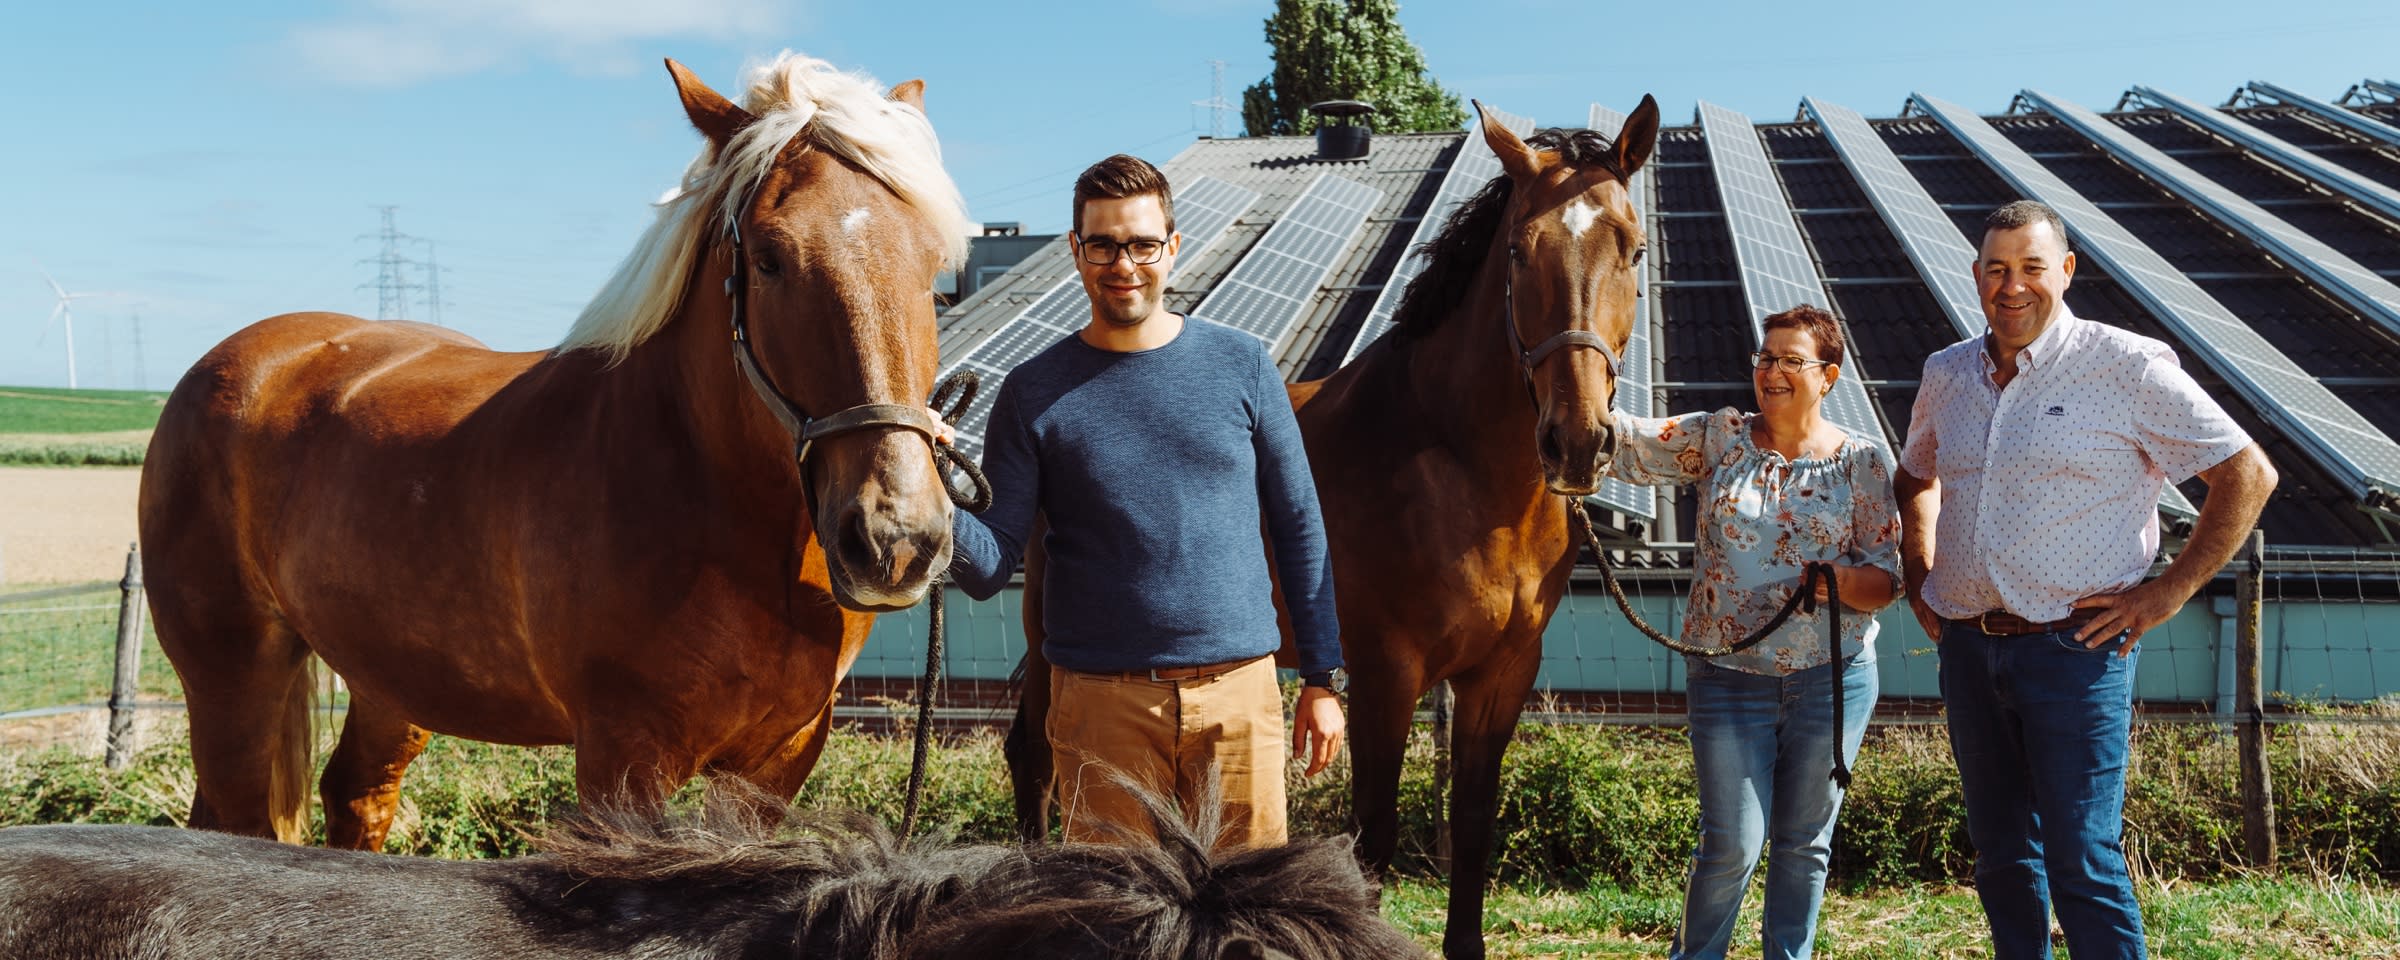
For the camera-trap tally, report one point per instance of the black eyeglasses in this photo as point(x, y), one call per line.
point(1790, 364)
point(1104, 251)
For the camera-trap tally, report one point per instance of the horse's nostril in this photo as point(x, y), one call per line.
point(1551, 451)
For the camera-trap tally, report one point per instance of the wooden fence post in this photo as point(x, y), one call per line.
point(130, 610)
point(2258, 793)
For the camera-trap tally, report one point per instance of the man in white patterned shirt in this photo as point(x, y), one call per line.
point(2028, 496)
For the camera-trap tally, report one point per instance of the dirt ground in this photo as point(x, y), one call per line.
point(65, 524)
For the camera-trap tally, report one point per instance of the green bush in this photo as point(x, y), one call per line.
point(120, 449)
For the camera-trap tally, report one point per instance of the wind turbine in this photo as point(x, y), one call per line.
point(63, 311)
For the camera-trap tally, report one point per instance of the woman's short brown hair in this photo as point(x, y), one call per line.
point(1814, 321)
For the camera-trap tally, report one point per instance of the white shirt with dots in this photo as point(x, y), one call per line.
point(2049, 488)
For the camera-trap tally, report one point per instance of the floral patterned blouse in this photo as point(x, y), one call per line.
point(1762, 518)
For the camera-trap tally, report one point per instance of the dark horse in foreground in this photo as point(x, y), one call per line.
point(1443, 456)
point(612, 544)
point(719, 886)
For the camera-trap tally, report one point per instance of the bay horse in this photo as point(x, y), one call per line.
point(1443, 455)
point(640, 542)
point(717, 884)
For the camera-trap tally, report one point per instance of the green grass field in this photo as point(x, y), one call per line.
point(48, 410)
point(45, 426)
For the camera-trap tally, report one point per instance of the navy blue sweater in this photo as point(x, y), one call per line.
point(1155, 469)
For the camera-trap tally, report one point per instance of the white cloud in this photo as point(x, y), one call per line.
point(391, 43)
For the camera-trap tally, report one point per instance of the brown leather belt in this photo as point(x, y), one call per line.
point(2001, 623)
point(1172, 674)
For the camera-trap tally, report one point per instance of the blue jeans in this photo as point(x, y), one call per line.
point(1762, 748)
point(2040, 728)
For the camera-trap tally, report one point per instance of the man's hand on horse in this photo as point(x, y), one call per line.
point(1317, 730)
point(2132, 613)
point(944, 434)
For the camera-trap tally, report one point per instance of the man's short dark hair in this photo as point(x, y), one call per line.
point(2026, 213)
point(1120, 177)
point(1814, 321)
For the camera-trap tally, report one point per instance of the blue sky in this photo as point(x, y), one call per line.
point(212, 164)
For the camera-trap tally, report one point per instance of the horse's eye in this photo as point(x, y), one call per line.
point(1638, 252)
point(1516, 254)
point(766, 265)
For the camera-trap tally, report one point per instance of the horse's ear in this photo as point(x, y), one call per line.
point(1515, 157)
point(717, 118)
point(1640, 134)
point(911, 92)
point(1244, 948)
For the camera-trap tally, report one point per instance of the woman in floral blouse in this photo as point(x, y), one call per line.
point(1779, 488)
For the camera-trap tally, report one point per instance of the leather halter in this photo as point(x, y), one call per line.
point(805, 430)
point(1571, 337)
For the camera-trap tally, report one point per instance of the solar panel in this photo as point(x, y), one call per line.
point(1931, 239)
point(2359, 287)
point(2360, 124)
point(2333, 434)
point(1473, 167)
point(1265, 293)
point(2390, 90)
point(1204, 208)
point(1635, 384)
point(1777, 271)
point(2331, 176)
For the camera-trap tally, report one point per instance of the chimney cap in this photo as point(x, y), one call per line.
point(1341, 108)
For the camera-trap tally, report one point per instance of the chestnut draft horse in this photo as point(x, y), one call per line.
point(1443, 457)
point(641, 543)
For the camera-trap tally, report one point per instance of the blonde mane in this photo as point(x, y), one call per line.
point(793, 96)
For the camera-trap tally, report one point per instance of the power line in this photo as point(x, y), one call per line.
point(1215, 104)
point(391, 281)
point(141, 377)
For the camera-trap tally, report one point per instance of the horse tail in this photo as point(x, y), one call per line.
point(294, 756)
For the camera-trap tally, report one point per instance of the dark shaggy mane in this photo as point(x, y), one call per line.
point(1457, 251)
point(849, 881)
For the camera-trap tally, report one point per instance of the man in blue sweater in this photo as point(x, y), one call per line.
point(1156, 446)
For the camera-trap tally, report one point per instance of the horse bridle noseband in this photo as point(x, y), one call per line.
point(952, 396)
point(1573, 336)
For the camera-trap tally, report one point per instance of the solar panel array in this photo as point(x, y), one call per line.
point(2390, 90)
point(1204, 209)
point(1777, 271)
point(1473, 167)
point(2340, 440)
point(1265, 293)
point(2356, 123)
point(2332, 176)
point(1635, 384)
point(1933, 242)
point(2361, 288)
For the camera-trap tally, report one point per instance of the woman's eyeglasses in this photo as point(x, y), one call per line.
point(1789, 363)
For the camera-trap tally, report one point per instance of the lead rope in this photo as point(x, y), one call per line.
point(1803, 599)
point(964, 384)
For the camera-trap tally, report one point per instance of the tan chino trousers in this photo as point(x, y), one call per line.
point(1167, 735)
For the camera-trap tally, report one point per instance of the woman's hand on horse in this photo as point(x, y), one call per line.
point(1317, 727)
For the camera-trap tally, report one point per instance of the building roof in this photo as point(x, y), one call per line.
point(1703, 326)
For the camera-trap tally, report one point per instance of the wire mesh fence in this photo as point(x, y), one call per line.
point(57, 647)
point(2330, 635)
